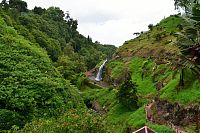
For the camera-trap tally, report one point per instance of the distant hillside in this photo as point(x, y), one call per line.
point(56, 32)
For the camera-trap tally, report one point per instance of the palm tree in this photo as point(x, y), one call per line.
point(188, 41)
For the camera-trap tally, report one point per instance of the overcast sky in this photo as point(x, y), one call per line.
point(111, 21)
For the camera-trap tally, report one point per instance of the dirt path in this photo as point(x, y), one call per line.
point(177, 129)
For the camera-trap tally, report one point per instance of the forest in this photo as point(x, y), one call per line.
point(48, 70)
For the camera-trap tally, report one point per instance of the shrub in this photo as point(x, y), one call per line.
point(127, 94)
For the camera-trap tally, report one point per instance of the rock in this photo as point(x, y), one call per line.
point(176, 114)
point(97, 107)
point(91, 72)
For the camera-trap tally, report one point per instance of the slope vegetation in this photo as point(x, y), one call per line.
point(149, 60)
point(42, 56)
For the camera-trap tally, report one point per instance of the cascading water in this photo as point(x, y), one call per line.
point(99, 74)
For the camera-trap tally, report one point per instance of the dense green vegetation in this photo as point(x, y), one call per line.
point(30, 85)
point(43, 59)
point(42, 54)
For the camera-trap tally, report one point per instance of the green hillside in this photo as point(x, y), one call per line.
point(149, 59)
point(30, 84)
point(48, 69)
point(42, 56)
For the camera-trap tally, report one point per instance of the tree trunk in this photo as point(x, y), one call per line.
point(182, 78)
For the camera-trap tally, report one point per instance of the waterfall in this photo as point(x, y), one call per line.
point(99, 74)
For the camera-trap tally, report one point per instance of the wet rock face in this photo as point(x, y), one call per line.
point(91, 72)
point(174, 113)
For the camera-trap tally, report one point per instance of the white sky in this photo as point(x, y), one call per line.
point(111, 21)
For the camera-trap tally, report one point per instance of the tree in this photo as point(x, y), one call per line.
point(38, 10)
point(89, 39)
point(67, 15)
point(189, 38)
point(188, 41)
point(136, 33)
point(179, 67)
point(4, 4)
point(184, 4)
point(150, 26)
point(72, 24)
point(21, 6)
point(55, 13)
point(127, 94)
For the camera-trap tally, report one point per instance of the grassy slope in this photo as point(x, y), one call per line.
point(151, 43)
point(142, 54)
point(118, 117)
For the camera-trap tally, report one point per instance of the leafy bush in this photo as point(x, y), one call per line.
point(72, 121)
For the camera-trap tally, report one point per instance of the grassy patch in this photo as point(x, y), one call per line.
point(171, 23)
point(117, 68)
point(189, 94)
point(160, 128)
point(145, 86)
point(105, 97)
point(163, 72)
point(169, 89)
point(118, 114)
point(137, 119)
point(118, 117)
